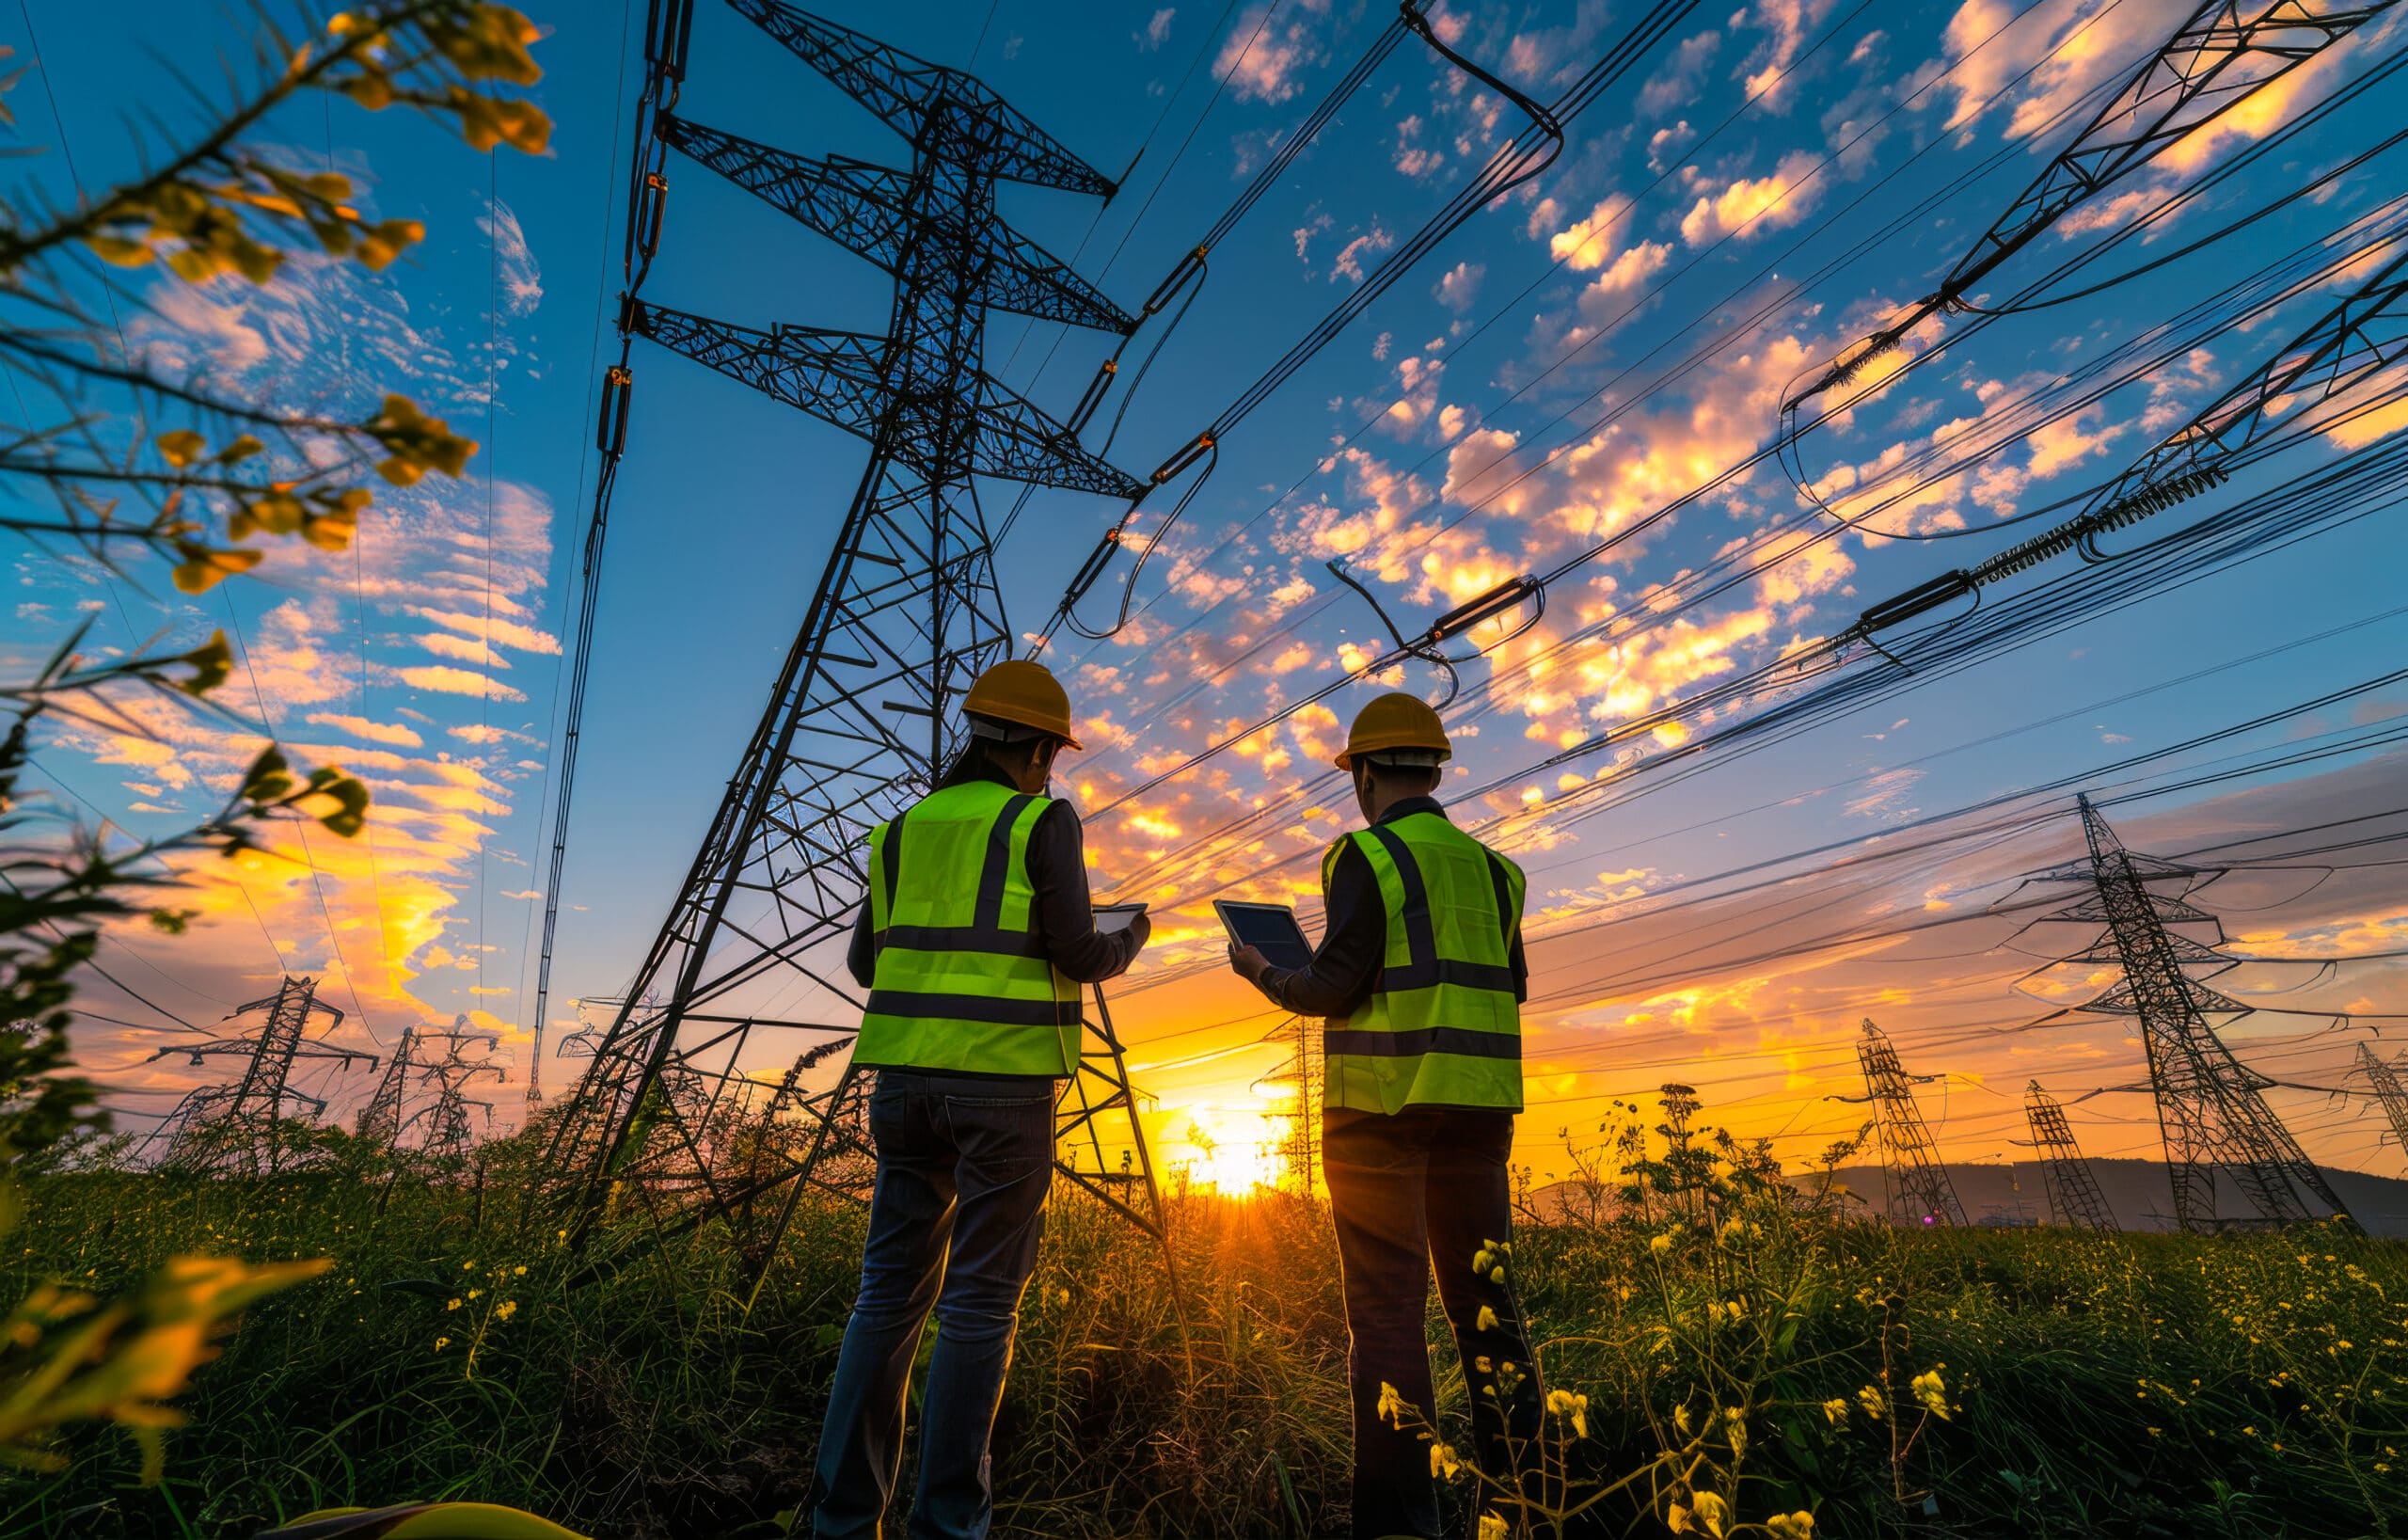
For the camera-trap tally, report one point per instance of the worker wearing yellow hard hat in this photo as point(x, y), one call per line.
point(1420, 978)
point(974, 943)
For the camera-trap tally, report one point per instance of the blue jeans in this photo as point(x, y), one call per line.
point(963, 1165)
point(1423, 1190)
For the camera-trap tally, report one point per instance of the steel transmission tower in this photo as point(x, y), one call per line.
point(445, 1138)
point(2224, 52)
point(1297, 1082)
point(1920, 1191)
point(239, 1130)
point(2074, 1198)
point(2210, 1108)
point(905, 615)
point(380, 1121)
point(2387, 1090)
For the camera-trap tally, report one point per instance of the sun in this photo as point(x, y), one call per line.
point(1228, 1151)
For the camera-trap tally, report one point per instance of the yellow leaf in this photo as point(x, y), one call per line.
point(212, 664)
point(203, 569)
point(489, 44)
point(196, 266)
point(370, 88)
point(180, 447)
point(120, 252)
point(386, 241)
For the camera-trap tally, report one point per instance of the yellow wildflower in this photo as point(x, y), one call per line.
point(1392, 1405)
point(1659, 1244)
point(1835, 1410)
point(1492, 1527)
point(1796, 1526)
point(1869, 1399)
point(1933, 1394)
point(1487, 1320)
point(1443, 1464)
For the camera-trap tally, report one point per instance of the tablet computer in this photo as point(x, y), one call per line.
point(1269, 929)
point(1114, 918)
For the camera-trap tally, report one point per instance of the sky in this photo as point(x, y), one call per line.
point(1614, 335)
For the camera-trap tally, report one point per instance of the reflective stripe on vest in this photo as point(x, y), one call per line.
point(962, 980)
point(1441, 1026)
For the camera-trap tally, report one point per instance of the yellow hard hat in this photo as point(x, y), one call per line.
point(1024, 694)
point(1396, 721)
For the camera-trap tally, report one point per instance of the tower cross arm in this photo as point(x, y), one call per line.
point(1019, 442)
point(957, 115)
point(831, 374)
point(837, 376)
point(2363, 336)
point(2210, 63)
point(862, 208)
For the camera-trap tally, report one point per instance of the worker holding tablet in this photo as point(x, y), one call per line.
point(1421, 974)
point(974, 942)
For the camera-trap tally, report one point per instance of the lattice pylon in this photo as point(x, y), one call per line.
point(2211, 1109)
point(906, 615)
point(2075, 1199)
point(1296, 1080)
point(2385, 1077)
point(241, 1131)
point(1920, 1193)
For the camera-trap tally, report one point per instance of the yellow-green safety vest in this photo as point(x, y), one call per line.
point(962, 979)
point(1441, 1026)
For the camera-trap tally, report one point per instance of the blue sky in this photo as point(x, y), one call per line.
point(1666, 279)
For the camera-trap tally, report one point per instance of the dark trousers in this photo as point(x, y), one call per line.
point(1426, 1188)
point(963, 1165)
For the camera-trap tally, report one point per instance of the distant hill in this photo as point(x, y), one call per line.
point(2136, 1190)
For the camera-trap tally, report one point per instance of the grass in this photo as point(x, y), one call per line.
point(1733, 1364)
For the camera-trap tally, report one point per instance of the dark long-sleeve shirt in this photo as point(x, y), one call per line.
point(1347, 962)
point(1057, 869)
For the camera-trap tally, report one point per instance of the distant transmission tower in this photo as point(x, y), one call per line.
point(905, 615)
point(240, 1130)
point(2210, 1108)
point(2074, 1197)
point(446, 1137)
point(432, 1069)
point(1297, 1080)
point(380, 1121)
point(1920, 1192)
point(2387, 1090)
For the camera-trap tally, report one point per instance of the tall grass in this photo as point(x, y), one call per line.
point(1735, 1348)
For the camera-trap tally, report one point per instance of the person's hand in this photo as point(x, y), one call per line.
point(1143, 929)
point(1249, 963)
